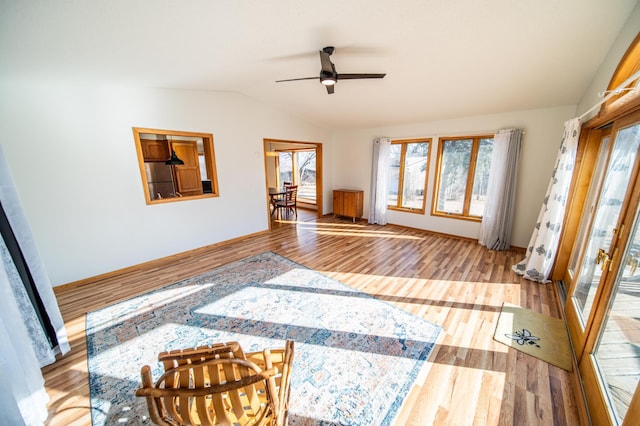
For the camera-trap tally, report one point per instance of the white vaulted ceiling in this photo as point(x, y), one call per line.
point(443, 58)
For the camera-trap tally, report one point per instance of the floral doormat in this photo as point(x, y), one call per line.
point(356, 356)
point(539, 335)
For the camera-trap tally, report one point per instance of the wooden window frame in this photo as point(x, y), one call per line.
point(403, 152)
point(471, 171)
point(209, 159)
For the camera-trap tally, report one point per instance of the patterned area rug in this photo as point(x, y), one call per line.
point(356, 356)
point(539, 335)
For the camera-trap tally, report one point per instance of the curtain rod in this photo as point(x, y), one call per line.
point(611, 93)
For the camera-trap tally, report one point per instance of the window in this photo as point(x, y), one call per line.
point(462, 177)
point(191, 175)
point(299, 167)
point(408, 175)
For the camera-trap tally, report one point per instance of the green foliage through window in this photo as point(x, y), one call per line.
point(463, 176)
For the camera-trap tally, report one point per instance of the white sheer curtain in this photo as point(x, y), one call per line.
point(541, 251)
point(23, 399)
point(497, 219)
point(380, 181)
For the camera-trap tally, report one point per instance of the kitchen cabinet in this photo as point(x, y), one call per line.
point(154, 150)
point(348, 202)
point(187, 175)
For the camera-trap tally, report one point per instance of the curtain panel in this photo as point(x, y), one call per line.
point(23, 399)
point(497, 218)
point(380, 180)
point(543, 245)
point(25, 349)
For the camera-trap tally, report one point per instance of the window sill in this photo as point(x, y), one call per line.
point(183, 198)
point(406, 210)
point(457, 216)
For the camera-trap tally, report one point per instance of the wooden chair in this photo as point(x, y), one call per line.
point(220, 385)
point(289, 202)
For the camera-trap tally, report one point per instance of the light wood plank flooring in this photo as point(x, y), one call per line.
point(470, 380)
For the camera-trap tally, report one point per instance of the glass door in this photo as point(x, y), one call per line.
point(604, 292)
point(614, 362)
point(600, 229)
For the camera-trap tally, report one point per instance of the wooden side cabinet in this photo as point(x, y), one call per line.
point(348, 202)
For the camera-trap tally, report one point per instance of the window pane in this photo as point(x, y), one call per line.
point(394, 175)
point(306, 172)
point(285, 164)
point(456, 155)
point(481, 178)
point(415, 169)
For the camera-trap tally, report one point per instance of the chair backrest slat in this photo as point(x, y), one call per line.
point(217, 399)
point(218, 385)
point(199, 381)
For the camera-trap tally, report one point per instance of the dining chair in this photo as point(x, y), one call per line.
point(220, 384)
point(289, 201)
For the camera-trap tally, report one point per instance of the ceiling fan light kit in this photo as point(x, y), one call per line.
point(328, 81)
point(328, 74)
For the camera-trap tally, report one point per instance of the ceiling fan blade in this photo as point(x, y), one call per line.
point(296, 79)
point(330, 89)
point(325, 61)
point(358, 76)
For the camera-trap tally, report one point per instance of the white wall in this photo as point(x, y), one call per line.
point(72, 154)
point(543, 127)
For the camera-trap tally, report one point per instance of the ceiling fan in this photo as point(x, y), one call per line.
point(328, 75)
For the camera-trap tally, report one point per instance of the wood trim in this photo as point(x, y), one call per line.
point(629, 64)
point(153, 263)
point(586, 159)
point(598, 407)
point(444, 234)
point(210, 164)
point(576, 379)
point(403, 154)
point(471, 174)
point(624, 106)
point(319, 180)
point(633, 414)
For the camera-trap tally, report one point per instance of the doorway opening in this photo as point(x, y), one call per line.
point(295, 163)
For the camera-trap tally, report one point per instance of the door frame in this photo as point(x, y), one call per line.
point(319, 174)
point(597, 403)
point(597, 400)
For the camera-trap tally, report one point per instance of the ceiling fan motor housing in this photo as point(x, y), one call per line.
point(328, 78)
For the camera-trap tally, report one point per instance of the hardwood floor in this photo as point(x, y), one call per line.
point(456, 283)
